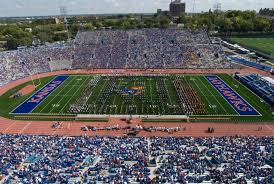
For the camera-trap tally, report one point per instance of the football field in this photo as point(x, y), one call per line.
point(265, 45)
point(190, 95)
point(59, 102)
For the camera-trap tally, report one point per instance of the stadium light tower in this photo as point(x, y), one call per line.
point(217, 8)
point(194, 6)
point(64, 13)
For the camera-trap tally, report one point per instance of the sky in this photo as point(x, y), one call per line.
point(13, 8)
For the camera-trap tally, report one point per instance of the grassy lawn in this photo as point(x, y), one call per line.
point(265, 45)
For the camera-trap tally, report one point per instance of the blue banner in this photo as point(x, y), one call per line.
point(32, 102)
point(233, 98)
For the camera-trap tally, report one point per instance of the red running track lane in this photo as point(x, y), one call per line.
point(192, 129)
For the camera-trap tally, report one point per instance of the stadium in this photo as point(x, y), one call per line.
point(134, 73)
point(128, 100)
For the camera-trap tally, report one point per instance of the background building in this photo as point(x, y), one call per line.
point(176, 8)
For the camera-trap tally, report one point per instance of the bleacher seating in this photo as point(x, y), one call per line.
point(246, 62)
point(58, 159)
point(259, 85)
point(116, 49)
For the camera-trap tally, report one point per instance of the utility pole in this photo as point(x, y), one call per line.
point(64, 12)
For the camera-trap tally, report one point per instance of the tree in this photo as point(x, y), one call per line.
point(183, 18)
point(88, 26)
point(44, 37)
point(98, 23)
point(262, 24)
point(164, 22)
point(12, 43)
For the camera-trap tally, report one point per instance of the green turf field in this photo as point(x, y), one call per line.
point(155, 95)
point(265, 45)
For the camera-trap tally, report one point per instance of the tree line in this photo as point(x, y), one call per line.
point(267, 12)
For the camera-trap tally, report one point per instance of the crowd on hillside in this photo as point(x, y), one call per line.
point(56, 159)
point(140, 49)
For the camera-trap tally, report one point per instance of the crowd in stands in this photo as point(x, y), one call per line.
point(261, 86)
point(56, 159)
point(24, 62)
point(116, 49)
point(10, 67)
point(146, 48)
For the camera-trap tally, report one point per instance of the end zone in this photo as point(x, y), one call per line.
point(37, 98)
point(241, 106)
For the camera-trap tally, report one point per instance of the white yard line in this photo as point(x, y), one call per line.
point(244, 95)
point(54, 96)
point(64, 97)
point(208, 101)
point(80, 87)
point(235, 91)
point(214, 96)
point(115, 97)
point(150, 92)
point(168, 93)
point(98, 94)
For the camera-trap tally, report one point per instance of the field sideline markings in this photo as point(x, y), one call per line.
point(209, 102)
point(234, 91)
point(50, 80)
point(103, 86)
point(62, 97)
point(214, 96)
point(61, 111)
point(49, 114)
point(134, 100)
point(72, 115)
point(150, 94)
point(54, 97)
point(114, 100)
point(169, 96)
point(168, 92)
point(248, 96)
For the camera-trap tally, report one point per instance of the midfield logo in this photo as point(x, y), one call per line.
point(134, 90)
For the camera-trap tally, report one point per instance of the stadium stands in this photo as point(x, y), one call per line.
point(110, 49)
point(56, 159)
point(259, 85)
point(246, 62)
point(10, 67)
point(146, 48)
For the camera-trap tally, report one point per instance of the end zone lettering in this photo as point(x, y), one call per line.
point(32, 102)
point(40, 96)
point(234, 99)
